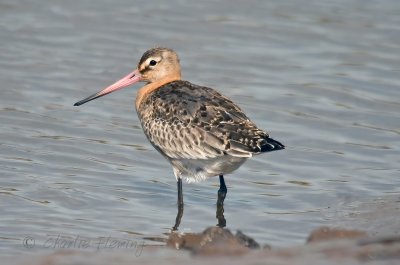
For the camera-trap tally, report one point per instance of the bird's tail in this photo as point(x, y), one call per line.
point(270, 144)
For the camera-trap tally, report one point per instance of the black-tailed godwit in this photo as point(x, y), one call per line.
point(198, 130)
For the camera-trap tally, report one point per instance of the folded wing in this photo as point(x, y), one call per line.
point(183, 120)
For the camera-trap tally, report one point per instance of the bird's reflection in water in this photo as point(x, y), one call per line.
point(178, 217)
point(220, 215)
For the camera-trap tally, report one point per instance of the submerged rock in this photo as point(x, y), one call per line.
point(326, 233)
point(213, 241)
point(248, 241)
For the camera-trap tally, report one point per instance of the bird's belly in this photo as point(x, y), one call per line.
point(194, 170)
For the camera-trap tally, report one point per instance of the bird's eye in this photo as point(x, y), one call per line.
point(153, 62)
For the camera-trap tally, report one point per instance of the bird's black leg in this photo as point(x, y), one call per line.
point(180, 205)
point(180, 193)
point(220, 202)
point(222, 190)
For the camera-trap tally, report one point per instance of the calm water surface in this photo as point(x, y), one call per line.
point(323, 78)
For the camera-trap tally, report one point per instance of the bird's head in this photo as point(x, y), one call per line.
point(159, 63)
point(156, 65)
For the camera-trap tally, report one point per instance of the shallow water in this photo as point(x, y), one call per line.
point(323, 78)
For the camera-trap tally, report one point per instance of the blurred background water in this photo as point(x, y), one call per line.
point(320, 76)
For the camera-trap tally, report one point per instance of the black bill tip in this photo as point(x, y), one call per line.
point(81, 102)
point(94, 96)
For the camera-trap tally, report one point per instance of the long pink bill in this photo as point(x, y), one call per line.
point(129, 79)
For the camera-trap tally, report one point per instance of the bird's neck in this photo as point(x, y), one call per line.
point(145, 91)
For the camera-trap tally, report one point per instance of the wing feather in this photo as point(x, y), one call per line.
point(183, 120)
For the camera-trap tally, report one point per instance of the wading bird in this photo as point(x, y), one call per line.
point(198, 130)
